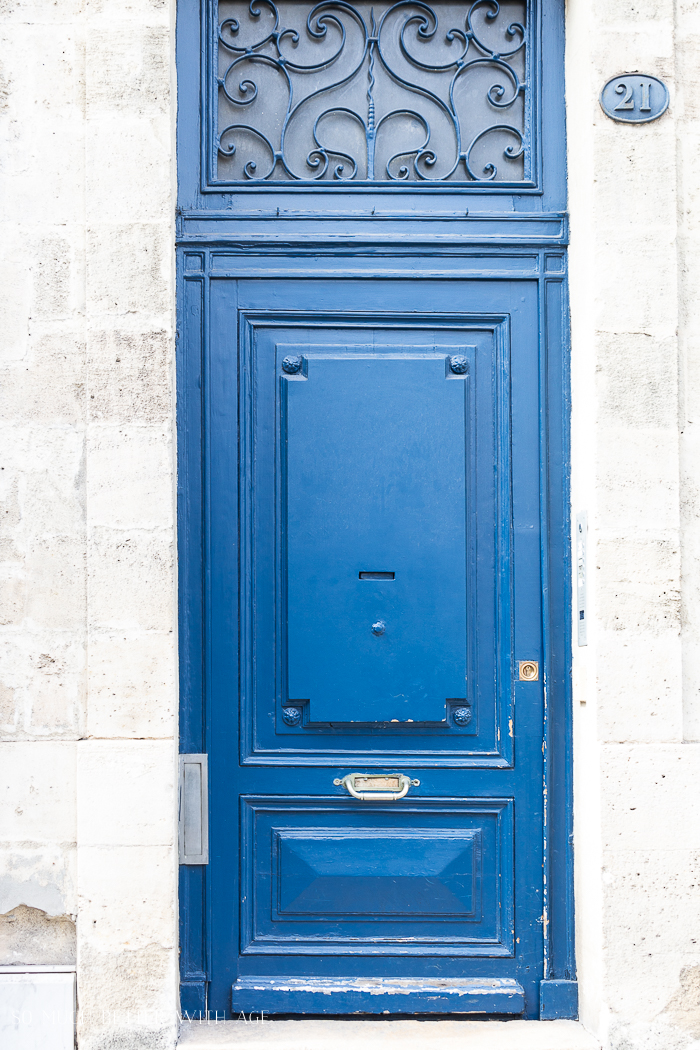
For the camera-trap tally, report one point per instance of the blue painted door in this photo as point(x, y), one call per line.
point(373, 506)
point(375, 579)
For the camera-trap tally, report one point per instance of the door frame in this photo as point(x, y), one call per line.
point(198, 268)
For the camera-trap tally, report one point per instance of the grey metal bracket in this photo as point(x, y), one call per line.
point(193, 813)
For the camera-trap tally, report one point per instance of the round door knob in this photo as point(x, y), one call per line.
point(379, 627)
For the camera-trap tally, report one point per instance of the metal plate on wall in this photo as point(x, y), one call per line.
point(634, 98)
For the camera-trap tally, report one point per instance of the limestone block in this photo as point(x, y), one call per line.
point(130, 476)
point(691, 329)
point(127, 69)
point(41, 122)
point(639, 986)
point(37, 788)
point(127, 999)
point(148, 12)
point(133, 183)
point(689, 176)
point(631, 163)
point(690, 580)
point(132, 685)
point(636, 381)
point(15, 279)
point(130, 376)
point(683, 1009)
point(646, 44)
point(40, 877)
point(126, 793)
point(636, 478)
point(54, 591)
point(129, 274)
point(646, 262)
point(33, 11)
point(127, 897)
point(131, 579)
point(691, 682)
point(48, 386)
point(43, 531)
point(688, 77)
point(637, 582)
point(42, 479)
point(57, 692)
point(688, 17)
point(43, 186)
point(631, 13)
point(13, 606)
point(652, 902)
point(53, 276)
point(42, 65)
point(42, 685)
point(651, 796)
point(639, 686)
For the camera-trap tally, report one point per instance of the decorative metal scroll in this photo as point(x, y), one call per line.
point(351, 93)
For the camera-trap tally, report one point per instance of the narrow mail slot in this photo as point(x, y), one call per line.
point(378, 783)
point(377, 575)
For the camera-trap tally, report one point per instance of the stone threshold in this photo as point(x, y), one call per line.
point(386, 1035)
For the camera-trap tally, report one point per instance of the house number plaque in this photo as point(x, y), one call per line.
point(634, 98)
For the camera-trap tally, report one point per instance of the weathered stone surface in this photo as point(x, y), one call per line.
point(86, 503)
point(125, 793)
point(40, 876)
point(29, 936)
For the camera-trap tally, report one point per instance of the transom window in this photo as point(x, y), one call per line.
point(365, 93)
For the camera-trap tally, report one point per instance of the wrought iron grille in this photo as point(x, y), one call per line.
point(357, 93)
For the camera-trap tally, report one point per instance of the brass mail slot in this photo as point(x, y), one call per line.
point(380, 787)
point(378, 783)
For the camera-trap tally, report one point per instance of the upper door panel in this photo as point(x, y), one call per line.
point(337, 108)
point(376, 497)
point(388, 486)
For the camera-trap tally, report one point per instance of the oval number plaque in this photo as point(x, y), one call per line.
point(634, 98)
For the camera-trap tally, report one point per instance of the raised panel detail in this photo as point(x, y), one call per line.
point(359, 872)
point(376, 539)
point(376, 478)
point(327, 876)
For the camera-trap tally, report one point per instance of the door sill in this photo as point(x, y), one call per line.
point(386, 1035)
point(377, 995)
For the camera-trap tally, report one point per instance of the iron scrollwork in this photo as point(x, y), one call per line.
point(339, 93)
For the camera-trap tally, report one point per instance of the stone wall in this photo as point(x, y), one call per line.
point(88, 630)
point(634, 290)
point(87, 604)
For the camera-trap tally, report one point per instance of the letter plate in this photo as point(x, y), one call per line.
point(380, 787)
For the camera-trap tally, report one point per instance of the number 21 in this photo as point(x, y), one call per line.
point(628, 101)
